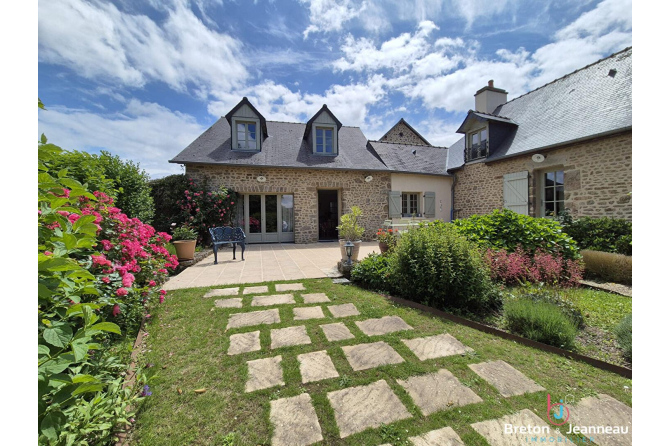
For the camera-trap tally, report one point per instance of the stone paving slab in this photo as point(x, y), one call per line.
point(494, 430)
point(383, 325)
point(255, 289)
point(604, 411)
point(363, 407)
point(336, 332)
point(316, 366)
point(287, 337)
point(233, 302)
point(289, 287)
point(304, 313)
point(273, 299)
point(223, 292)
point(249, 319)
point(505, 378)
point(264, 373)
point(438, 346)
point(315, 298)
point(440, 437)
point(244, 343)
point(368, 356)
point(295, 421)
point(344, 310)
point(438, 391)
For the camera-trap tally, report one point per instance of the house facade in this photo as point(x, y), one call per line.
point(564, 146)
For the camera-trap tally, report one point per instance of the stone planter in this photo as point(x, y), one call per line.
point(383, 247)
point(354, 255)
point(185, 249)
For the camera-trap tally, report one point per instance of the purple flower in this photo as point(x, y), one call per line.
point(145, 391)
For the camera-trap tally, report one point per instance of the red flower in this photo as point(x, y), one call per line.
point(152, 283)
point(105, 279)
point(48, 253)
point(122, 292)
point(116, 310)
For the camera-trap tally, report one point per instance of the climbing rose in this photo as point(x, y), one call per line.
point(152, 283)
point(121, 292)
point(116, 310)
point(105, 279)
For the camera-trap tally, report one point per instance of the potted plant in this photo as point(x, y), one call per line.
point(184, 239)
point(349, 231)
point(387, 239)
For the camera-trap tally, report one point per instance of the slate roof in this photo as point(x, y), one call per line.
point(402, 121)
point(592, 101)
point(400, 157)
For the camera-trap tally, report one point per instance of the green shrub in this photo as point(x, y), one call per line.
point(435, 265)
point(373, 272)
point(554, 297)
point(349, 228)
point(608, 266)
point(601, 234)
point(540, 321)
point(167, 193)
point(624, 335)
point(122, 180)
point(505, 229)
point(184, 232)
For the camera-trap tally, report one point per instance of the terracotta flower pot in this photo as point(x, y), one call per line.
point(383, 247)
point(185, 249)
point(354, 255)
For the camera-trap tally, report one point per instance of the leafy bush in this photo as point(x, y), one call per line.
point(518, 267)
point(203, 209)
point(167, 194)
point(601, 234)
point(122, 180)
point(373, 272)
point(540, 321)
point(607, 266)
point(348, 228)
point(184, 232)
point(541, 294)
point(435, 265)
point(624, 335)
point(95, 265)
point(505, 229)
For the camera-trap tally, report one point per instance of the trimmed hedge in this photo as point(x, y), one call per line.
point(601, 234)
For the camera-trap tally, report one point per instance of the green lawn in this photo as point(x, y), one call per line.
point(187, 346)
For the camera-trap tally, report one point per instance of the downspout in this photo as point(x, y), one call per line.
point(453, 195)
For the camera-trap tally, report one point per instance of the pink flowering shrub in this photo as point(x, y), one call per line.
point(516, 267)
point(203, 209)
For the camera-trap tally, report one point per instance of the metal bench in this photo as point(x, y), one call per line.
point(225, 235)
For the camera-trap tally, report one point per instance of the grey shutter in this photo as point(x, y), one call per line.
point(429, 204)
point(395, 204)
point(515, 192)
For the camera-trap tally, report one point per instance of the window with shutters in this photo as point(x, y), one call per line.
point(410, 204)
point(553, 198)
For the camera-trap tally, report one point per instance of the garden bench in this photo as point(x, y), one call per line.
point(224, 235)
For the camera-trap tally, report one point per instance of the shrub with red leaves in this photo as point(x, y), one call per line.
point(517, 267)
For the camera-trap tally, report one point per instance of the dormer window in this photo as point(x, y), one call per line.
point(248, 128)
point(478, 145)
point(324, 140)
point(246, 135)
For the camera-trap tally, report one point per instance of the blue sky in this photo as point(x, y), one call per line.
point(143, 79)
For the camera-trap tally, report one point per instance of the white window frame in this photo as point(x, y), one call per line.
point(479, 133)
point(246, 122)
point(407, 201)
point(543, 207)
point(315, 129)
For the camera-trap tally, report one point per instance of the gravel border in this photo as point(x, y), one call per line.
point(610, 287)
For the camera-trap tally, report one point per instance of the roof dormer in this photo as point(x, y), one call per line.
point(322, 132)
point(247, 127)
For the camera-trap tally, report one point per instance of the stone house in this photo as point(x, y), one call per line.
point(295, 180)
point(565, 145)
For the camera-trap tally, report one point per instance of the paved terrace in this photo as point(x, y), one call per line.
point(266, 262)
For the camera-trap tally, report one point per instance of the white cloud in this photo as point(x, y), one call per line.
point(97, 40)
point(607, 15)
point(330, 15)
point(147, 133)
point(472, 10)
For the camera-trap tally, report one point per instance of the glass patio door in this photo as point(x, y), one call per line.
point(263, 218)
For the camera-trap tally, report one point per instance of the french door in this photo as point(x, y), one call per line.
point(268, 218)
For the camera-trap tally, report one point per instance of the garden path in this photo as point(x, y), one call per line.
point(266, 262)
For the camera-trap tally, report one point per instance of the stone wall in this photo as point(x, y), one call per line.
point(598, 179)
point(371, 197)
point(401, 134)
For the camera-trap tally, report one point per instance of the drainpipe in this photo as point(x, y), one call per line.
point(453, 194)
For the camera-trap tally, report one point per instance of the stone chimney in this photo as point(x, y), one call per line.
point(489, 98)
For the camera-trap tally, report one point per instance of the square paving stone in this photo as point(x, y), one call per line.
point(289, 287)
point(315, 298)
point(295, 421)
point(368, 356)
point(264, 373)
point(253, 318)
point(440, 437)
point(603, 411)
point(301, 314)
point(494, 430)
point(223, 292)
point(316, 366)
point(508, 380)
point(274, 299)
point(255, 289)
point(438, 346)
point(244, 342)
point(363, 407)
point(383, 325)
point(438, 391)
point(336, 332)
point(286, 337)
point(343, 310)
point(233, 302)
